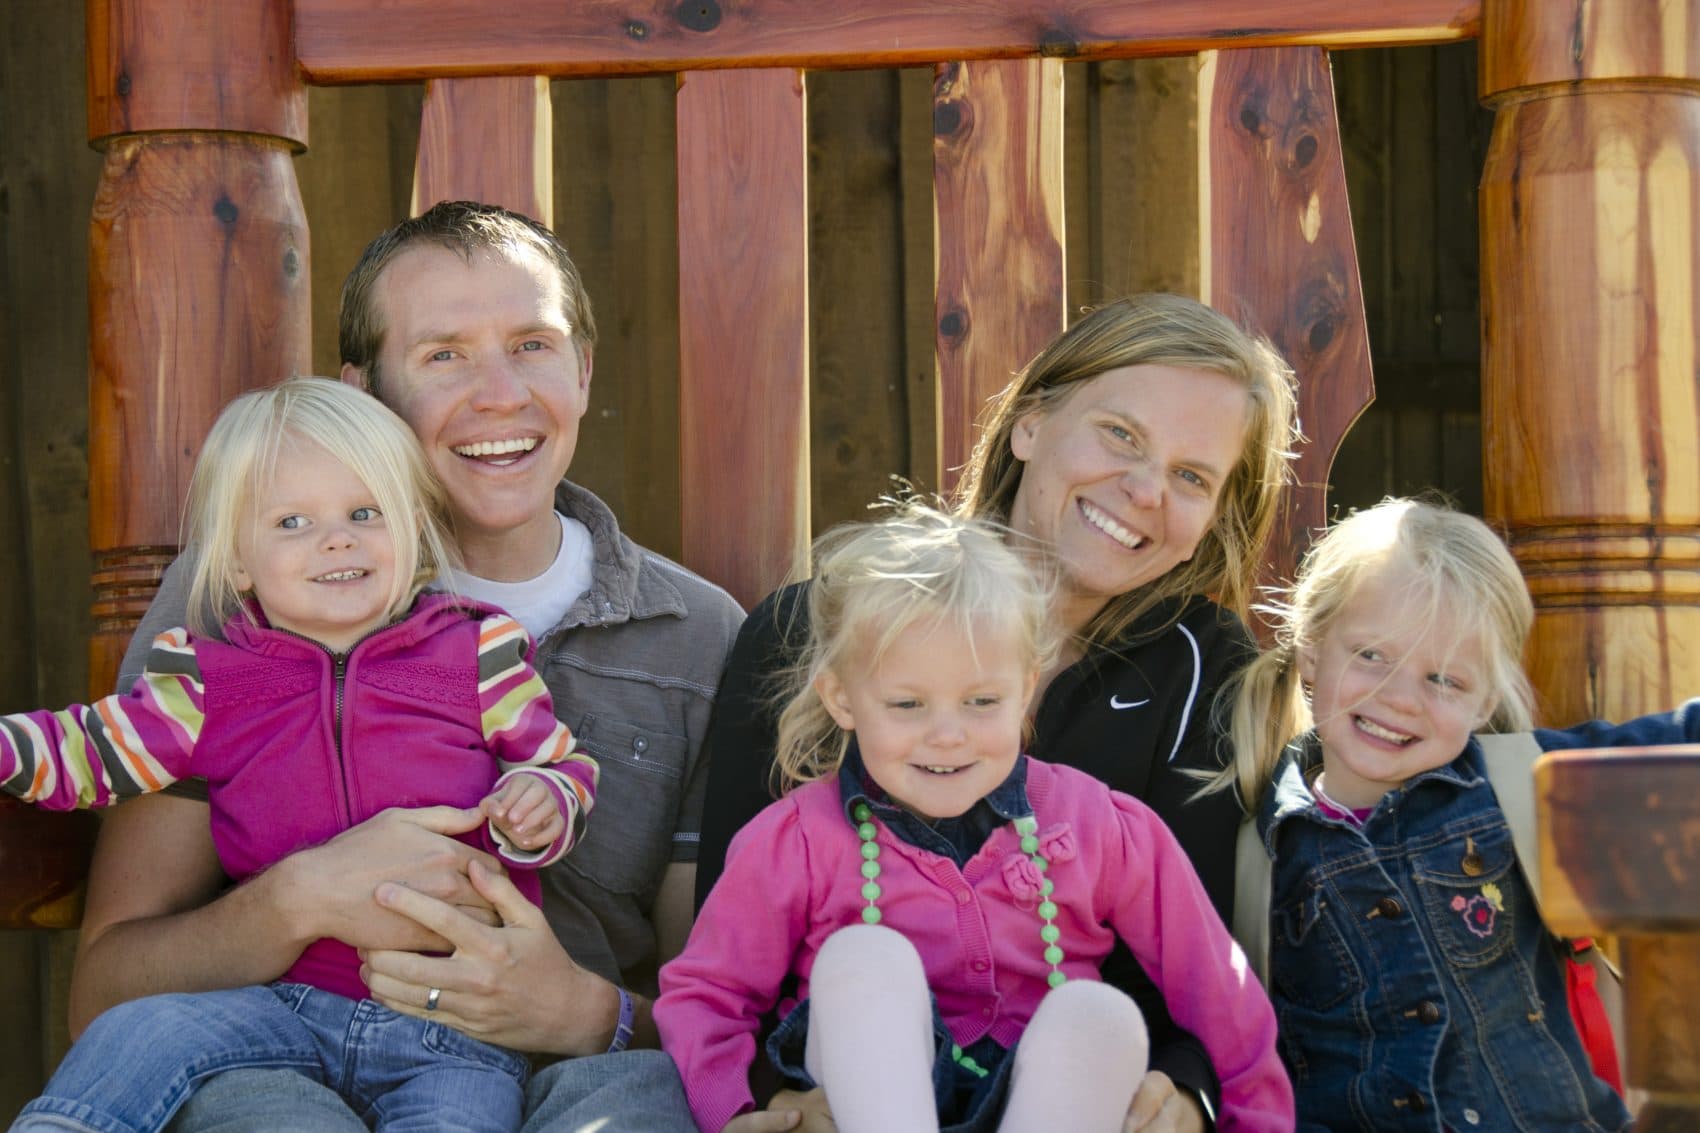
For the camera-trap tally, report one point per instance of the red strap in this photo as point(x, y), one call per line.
point(1582, 988)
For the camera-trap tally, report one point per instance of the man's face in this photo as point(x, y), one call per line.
point(479, 360)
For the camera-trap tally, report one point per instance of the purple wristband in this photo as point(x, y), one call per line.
point(623, 1028)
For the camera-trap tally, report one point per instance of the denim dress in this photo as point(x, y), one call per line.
point(1414, 983)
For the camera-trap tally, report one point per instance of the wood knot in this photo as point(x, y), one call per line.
point(953, 325)
point(124, 84)
point(637, 29)
point(698, 15)
point(1056, 43)
point(291, 262)
point(1250, 118)
point(1305, 151)
point(226, 211)
point(947, 119)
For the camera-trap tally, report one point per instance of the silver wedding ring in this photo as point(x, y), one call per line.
point(431, 999)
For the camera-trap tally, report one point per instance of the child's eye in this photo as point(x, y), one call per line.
point(903, 704)
point(985, 701)
point(365, 514)
point(292, 522)
point(1370, 654)
point(1447, 682)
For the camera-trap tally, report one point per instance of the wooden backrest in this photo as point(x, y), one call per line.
point(225, 92)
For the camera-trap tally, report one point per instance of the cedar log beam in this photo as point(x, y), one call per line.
point(198, 289)
point(1590, 263)
point(349, 41)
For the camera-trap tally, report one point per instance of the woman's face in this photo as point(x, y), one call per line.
point(1123, 476)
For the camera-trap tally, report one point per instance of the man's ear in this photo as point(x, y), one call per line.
point(832, 694)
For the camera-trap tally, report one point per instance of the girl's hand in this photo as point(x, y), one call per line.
point(1160, 1108)
point(525, 811)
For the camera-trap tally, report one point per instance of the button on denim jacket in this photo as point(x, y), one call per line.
point(1414, 984)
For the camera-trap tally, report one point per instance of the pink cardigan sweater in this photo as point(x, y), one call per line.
point(792, 878)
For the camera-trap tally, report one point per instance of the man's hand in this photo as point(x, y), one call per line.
point(511, 984)
point(333, 884)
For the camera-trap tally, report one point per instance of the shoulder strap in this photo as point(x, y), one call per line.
point(1252, 880)
point(1510, 761)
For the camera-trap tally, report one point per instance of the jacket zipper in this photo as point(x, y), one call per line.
point(339, 673)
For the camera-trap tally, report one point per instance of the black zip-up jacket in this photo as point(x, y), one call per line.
point(1134, 716)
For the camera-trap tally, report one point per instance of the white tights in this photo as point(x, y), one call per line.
point(870, 1045)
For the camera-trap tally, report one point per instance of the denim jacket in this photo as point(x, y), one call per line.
point(1413, 981)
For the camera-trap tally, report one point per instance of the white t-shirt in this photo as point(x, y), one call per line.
point(539, 603)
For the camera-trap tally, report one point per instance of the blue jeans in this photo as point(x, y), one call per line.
point(140, 1061)
point(634, 1092)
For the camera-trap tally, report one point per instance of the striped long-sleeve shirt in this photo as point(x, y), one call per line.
point(298, 743)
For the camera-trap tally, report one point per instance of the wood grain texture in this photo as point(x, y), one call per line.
point(167, 65)
point(1619, 837)
point(43, 860)
point(198, 268)
point(1281, 258)
point(743, 326)
point(487, 140)
point(1591, 259)
point(1527, 43)
point(348, 41)
point(998, 207)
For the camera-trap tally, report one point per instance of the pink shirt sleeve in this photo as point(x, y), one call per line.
point(743, 945)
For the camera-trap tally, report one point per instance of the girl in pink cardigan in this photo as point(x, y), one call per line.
point(928, 907)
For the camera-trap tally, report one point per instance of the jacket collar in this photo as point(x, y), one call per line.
point(626, 583)
point(1290, 795)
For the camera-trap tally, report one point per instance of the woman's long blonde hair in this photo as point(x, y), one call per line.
point(874, 580)
point(1457, 572)
point(1158, 330)
point(241, 452)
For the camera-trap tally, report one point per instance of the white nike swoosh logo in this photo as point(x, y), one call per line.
point(1118, 704)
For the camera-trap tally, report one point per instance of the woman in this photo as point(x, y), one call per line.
point(1148, 445)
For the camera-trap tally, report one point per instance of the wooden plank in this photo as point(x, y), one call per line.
point(351, 41)
point(743, 326)
point(1281, 257)
point(915, 85)
point(997, 184)
point(486, 140)
point(1143, 198)
point(616, 209)
point(858, 398)
point(167, 65)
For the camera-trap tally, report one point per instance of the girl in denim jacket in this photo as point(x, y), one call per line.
point(1414, 983)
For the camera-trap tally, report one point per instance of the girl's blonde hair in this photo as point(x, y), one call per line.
point(1158, 330)
point(1458, 573)
point(241, 453)
point(872, 581)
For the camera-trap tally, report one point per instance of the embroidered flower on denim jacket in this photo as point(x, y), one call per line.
point(1480, 911)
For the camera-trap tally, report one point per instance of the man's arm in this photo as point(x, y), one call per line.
point(154, 921)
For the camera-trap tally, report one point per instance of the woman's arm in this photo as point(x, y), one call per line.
point(744, 729)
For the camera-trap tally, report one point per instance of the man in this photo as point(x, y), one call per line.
point(472, 324)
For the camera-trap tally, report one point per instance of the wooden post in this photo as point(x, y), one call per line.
point(1618, 855)
point(1279, 253)
point(1590, 257)
point(487, 140)
point(197, 290)
point(998, 261)
point(743, 326)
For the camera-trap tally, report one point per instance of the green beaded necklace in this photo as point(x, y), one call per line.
point(1027, 828)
